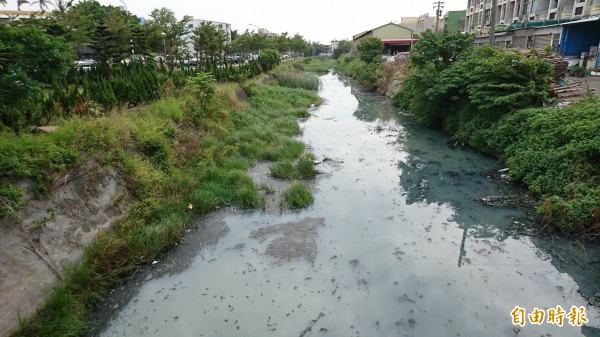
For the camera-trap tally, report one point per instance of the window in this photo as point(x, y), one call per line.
point(578, 10)
point(552, 16)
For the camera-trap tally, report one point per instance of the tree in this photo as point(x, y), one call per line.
point(282, 43)
point(344, 47)
point(209, 41)
point(43, 4)
point(3, 2)
point(30, 60)
point(298, 44)
point(268, 59)
point(112, 37)
point(370, 49)
point(440, 49)
point(164, 21)
point(20, 3)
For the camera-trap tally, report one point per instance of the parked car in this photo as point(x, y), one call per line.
point(85, 64)
point(233, 58)
point(402, 56)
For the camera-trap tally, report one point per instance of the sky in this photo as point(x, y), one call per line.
point(316, 20)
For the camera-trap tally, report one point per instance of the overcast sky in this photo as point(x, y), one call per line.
point(316, 20)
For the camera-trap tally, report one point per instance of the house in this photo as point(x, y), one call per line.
point(396, 38)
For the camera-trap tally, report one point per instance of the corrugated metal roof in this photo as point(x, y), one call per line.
point(581, 21)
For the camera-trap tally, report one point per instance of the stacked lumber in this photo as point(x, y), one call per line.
point(568, 91)
point(560, 66)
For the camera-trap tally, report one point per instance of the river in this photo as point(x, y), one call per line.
point(396, 244)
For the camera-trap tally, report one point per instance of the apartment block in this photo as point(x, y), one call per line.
point(514, 11)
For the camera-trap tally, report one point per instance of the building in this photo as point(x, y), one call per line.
point(396, 38)
point(419, 24)
point(267, 34)
point(334, 44)
point(536, 23)
point(454, 21)
point(8, 15)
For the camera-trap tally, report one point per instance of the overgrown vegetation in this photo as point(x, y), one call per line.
point(293, 75)
point(368, 74)
point(366, 67)
point(487, 98)
point(304, 168)
point(555, 153)
point(190, 149)
point(316, 64)
point(297, 196)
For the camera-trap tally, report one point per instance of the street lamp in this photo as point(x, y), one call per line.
point(123, 2)
point(257, 27)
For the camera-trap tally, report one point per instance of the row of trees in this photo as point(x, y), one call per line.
point(39, 80)
point(111, 34)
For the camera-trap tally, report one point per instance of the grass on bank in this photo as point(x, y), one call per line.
point(303, 168)
point(191, 149)
point(297, 196)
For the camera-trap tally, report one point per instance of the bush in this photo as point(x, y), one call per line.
point(303, 169)
point(487, 81)
point(297, 196)
point(368, 74)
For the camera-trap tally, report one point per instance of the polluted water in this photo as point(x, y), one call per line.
point(396, 243)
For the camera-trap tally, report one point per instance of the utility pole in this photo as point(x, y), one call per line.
point(493, 23)
point(438, 5)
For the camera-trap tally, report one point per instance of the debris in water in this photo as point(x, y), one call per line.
point(309, 326)
point(405, 298)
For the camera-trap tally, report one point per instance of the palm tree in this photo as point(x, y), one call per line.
point(43, 4)
point(21, 2)
point(3, 2)
point(63, 5)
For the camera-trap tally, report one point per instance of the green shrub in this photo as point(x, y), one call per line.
point(297, 196)
point(10, 198)
point(286, 169)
